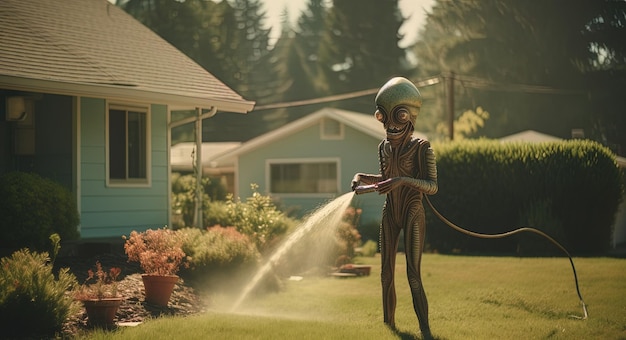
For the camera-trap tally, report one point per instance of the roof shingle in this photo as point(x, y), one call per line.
point(94, 42)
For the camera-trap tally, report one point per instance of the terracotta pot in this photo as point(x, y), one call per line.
point(101, 312)
point(159, 288)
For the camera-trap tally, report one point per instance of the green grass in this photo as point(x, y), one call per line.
point(469, 298)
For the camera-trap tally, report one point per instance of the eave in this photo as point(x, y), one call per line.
point(124, 93)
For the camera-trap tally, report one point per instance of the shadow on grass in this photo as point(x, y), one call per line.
point(405, 335)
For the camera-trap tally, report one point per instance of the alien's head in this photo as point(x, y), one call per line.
point(398, 103)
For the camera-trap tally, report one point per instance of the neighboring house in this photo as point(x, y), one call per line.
point(310, 161)
point(529, 136)
point(86, 95)
point(619, 227)
point(183, 161)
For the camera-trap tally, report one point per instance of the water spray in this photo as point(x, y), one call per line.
point(326, 216)
point(364, 189)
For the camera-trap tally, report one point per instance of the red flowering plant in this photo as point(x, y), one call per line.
point(348, 237)
point(159, 252)
point(105, 285)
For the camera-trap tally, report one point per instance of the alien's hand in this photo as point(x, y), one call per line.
point(389, 184)
point(356, 180)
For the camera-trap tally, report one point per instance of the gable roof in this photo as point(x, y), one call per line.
point(93, 48)
point(537, 137)
point(181, 154)
point(365, 123)
point(529, 136)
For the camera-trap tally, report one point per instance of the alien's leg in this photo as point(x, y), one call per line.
point(414, 235)
point(389, 236)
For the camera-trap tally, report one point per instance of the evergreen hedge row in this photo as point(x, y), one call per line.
point(570, 190)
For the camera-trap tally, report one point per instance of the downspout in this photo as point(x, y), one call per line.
point(199, 204)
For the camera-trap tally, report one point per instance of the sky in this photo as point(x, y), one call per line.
point(416, 9)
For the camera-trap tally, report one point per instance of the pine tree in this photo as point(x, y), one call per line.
point(505, 52)
point(296, 55)
point(359, 49)
point(311, 26)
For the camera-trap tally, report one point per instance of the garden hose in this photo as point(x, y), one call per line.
point(513, 232)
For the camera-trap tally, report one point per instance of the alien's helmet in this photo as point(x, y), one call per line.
point(398, 103)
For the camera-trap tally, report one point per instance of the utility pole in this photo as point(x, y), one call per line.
point(449, 79)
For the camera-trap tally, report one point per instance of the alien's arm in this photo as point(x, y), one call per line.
point(429, 184)
point(364, 179)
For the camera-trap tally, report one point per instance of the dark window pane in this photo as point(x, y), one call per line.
point(136, 145)
point(303, 178)
point(117, 144)
point(127, 145)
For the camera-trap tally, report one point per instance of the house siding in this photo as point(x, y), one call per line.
point(53, 138)
point(116, 211)
point(50, 151)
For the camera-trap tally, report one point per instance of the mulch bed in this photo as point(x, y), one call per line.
point(184, 300)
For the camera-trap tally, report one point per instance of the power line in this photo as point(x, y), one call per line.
point(466, 81)
point(350, 95)
point(484, 84)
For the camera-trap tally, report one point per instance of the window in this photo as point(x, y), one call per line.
point(331, 129)
point(128, 145)
point(303, 177)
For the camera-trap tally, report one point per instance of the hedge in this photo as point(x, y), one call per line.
point(569, 189)
point(32, 208)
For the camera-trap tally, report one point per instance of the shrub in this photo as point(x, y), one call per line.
point(217, 213)
point(99, 284)
point(159, 252)
point(32, 208)
point(348, 237)
point(211, 186)
point(216, 254)
point(33, 303)
point(370, 230)
point(540, 215)
point(488, 187)
point(184, 195)
point(257, 217)
point(369, 248)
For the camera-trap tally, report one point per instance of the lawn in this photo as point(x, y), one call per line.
point(469, 298)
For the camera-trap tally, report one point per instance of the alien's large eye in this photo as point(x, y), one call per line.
point(402, 115)
point(380, 115)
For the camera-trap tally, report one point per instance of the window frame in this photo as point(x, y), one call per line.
point(274, 161)
point(129, 182)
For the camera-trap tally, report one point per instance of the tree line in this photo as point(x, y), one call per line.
point(551, 66)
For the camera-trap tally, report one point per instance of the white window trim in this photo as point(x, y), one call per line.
point(270, 161)
point(129, 183)
point(325, 136)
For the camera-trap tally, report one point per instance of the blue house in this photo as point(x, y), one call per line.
point(86, 99)
point(311, 161)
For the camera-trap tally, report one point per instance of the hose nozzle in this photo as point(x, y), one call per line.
point(364, 189)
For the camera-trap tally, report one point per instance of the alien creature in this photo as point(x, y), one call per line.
point(407, 171)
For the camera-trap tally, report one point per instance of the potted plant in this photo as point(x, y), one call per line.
point(160, 255)
point(101, 299)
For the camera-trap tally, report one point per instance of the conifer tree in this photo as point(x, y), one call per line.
point(296, 53)
point(360, 48)
point(532, 66)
